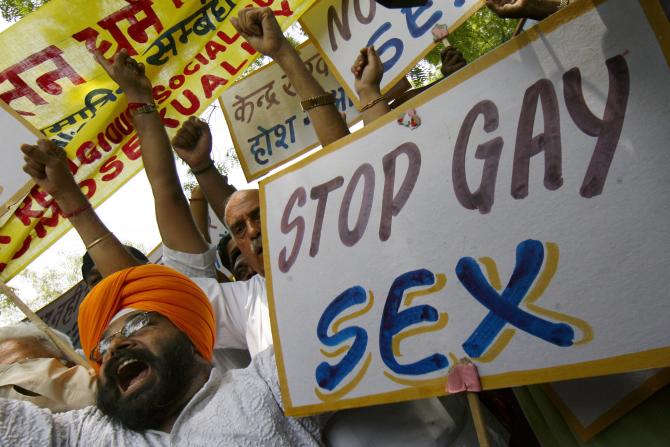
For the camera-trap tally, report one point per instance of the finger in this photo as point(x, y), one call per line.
point(35, 153)
point(268, 21)
point(202, 125)
point(100, 59)
point(121, 59)
point(34, 173)
point(50, 149)
point(30, 163)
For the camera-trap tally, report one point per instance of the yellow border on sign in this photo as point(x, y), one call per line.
point(21, 193)
point(248, 175)
point(354, 97)
point(654, 358)
point(614, 413)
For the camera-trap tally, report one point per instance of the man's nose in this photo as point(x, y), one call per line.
point(118, 343)
point(253, 228)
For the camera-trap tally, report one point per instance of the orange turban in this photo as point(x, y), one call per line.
point(151, 288)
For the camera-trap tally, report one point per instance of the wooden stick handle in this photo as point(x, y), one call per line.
point(69, 352)
point(478, 419)
point(519, 27)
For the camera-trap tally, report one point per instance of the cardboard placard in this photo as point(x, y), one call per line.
point(591, 405)
point(402, 37)
point(264, 117)
point(523, 224)
point(14, 183)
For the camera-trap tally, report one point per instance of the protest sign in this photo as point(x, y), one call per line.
point(266, 122)
point(15, 131)
point(591, 405)
point(521, 224)
point(402, 37)
point(191, 53)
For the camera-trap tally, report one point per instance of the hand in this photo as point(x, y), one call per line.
point(46, 164)
point(193, 143)
point(259, 27)
point(130, 76)
point(452, 61)
point(368, 71)
point(518, 9)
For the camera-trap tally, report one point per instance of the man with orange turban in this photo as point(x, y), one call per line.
point(149, 332)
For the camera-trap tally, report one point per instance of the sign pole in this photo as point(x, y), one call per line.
point(69, 352)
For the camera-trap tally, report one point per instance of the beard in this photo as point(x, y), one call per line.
point(148, 407)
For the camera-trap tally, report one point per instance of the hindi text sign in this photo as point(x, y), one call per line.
point(266, 122)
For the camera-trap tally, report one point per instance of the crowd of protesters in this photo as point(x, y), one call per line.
point(180, 354)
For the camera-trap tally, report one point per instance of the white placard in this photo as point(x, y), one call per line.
point(393, 253)
point(402, 37)
point(591, 405)
point(15, 132)
point(264, 117)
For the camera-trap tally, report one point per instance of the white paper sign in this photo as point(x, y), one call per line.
point(264, 117)
point(402, 37)
point(523, 224)
point(15, 132)
point(591, 405)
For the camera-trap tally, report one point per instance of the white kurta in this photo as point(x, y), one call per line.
point(241, 307)
point(239, 408)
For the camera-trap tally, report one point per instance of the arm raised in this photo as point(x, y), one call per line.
point(45, 163)
point(260, 28)
point(175, 222)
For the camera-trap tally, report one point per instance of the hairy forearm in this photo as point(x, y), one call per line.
point(328, 124)
point(175, 222)
point(216, 189)
point(200, 212)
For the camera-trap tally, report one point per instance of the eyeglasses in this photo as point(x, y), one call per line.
point(132, 326)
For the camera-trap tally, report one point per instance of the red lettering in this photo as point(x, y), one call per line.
point(24, 247)
point(189, 71)
point(72, 167)
point(114, 165)
point(41, 197)
point(90, 186)
point(161, 94)
point(132, 148)
point(25, 212)
point(212, 48)
point(47, 221)
point(88, 153)
point(5, 239)
point(168, 122)
point(227, 39)
point(210, 83)
point(187, 110)
point(232, 70)
point(176, 81)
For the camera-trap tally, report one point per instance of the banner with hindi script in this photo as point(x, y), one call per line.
point(266, 122)
point(402, 37)
point(48, 76)
point(521, 224)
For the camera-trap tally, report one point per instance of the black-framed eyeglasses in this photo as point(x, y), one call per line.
point(132, 326)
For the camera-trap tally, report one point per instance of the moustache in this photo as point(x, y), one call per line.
point(112, 365)
point(257, 245)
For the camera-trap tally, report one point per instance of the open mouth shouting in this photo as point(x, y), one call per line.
point(131, 375)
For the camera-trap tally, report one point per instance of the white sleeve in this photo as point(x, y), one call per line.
point(229, 301)
point(198, 265)
point(23, 423)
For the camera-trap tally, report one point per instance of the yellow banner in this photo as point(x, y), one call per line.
point(49, 76)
